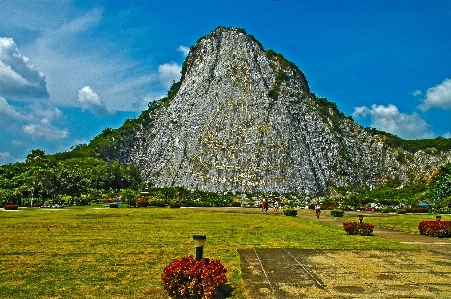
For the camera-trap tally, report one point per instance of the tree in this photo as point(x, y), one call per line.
point(440, 186)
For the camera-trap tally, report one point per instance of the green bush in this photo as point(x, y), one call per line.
point(290, 212)
point(175, 205)
point(114, 206)
point(157, 203)
point(337, 213)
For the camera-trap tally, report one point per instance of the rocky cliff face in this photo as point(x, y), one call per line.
point(244, 119)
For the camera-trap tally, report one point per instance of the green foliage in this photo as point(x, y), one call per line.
point(337, 213)
point(280, 77)
point(430, 146)
point(43, 176)
point(388, 195)
point(290, 212)
point(440, 186)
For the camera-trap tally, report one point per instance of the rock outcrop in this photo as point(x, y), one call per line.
point(244, 119)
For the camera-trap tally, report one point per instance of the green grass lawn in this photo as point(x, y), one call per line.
point(96, 252)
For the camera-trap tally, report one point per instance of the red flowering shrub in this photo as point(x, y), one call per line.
point(142, 202)
point(188, 278)
point(37, 204)
point(356, 228)
point(108, 200)
point(435, 228)
point(236, 204)
point(10, 206)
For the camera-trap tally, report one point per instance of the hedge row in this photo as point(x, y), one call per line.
point(435, 228)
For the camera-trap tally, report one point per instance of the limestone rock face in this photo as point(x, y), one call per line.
point(244, 119)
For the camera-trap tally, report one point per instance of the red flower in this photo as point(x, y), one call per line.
point(187, 277)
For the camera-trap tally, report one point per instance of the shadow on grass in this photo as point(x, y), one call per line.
point(224, 292)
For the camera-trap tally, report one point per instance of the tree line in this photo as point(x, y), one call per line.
point(44, 176)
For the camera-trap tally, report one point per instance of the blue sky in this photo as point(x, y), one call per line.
point(69, 69)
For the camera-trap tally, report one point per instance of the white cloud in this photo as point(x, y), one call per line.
point(9, 114)
point(5, 157)
point(34, 121)
point(44, 130)
point(417, 93)
point(17, 142)
point(91, 101)
point(19, 79)
point(184, 50)
point(389, 119)
point(447, 135)
point(438, 96)
point(169, 72)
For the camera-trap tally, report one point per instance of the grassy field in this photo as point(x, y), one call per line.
point(96, 252)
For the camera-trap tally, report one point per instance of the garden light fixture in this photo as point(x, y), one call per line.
point(199, 243)
point(361, 218)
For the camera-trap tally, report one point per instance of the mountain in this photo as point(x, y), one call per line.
point(244, 119)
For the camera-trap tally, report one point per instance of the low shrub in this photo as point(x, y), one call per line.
point(416, 210)
point(337, 213)
point(290, 212)
point(357, 228)
point(189, 278)
point(158, 203)
point(175, 205)
point(236, 204)
point(37, 204)
point(114, 205)
point(142, 203)
point(401, 211)
point(436, 228)
point(10, 206)
point(109, 200)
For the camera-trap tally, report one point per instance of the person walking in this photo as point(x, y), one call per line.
point(264, 206)
point(276, 205)
point(317, 210)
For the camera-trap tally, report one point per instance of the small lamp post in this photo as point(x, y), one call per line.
point(438, 217)
point(199, 242)
point(360, 218)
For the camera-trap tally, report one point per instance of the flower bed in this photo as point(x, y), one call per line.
point(236, 204)
point(10, 206)
point(188, 278)
point(357, 228)
point(435, 228)
point(142, 203)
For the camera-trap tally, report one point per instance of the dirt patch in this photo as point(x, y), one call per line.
point(310, 273)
